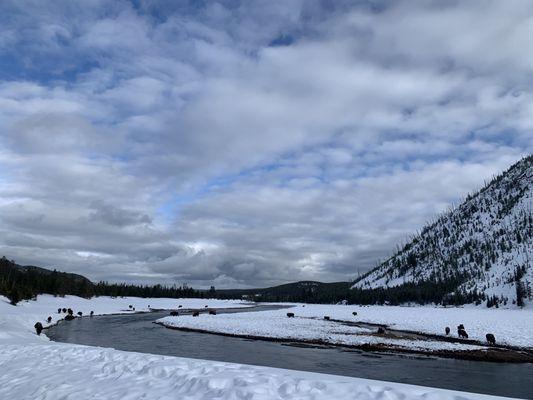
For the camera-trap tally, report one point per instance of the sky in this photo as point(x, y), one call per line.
point(250, 143)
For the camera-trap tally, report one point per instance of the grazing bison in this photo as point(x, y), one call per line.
point(91, 314)
point(326, 318)
point(354, 313)
point(38, 328)
point(174, 314)
point(462, 333)
point(130, 306)
point(381, 330)
point(64, 310)
point(490, 338)
point(461, 327)
point(133, 308)
point(212, 312)
point(80, 313)
point(59, 310)
point(69, 311)
point(447, 330)
point(290, 315)
point(69, 317)
point(49, 319)
point(180, 306)
point(196, 314)
point(206, 306)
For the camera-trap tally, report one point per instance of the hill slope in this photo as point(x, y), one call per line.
point(482, 251)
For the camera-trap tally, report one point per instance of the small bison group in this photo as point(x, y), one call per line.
point(461, 333)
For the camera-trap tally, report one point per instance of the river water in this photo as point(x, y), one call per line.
point(137, 332)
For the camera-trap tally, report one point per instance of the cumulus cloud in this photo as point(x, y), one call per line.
point(249, 143)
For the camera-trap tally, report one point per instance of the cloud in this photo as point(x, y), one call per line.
point(249, 144)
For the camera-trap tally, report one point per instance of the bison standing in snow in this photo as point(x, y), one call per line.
point(38, 328)
point(490, 338)
point(196, 314)
point(64, 310)
point(49, 319)
point(447, 330)
point(91, 314)
point(174, 314)
point(212, 312)
point(80, 313)
point(461, 332)
point(290, 315)
point(59, 310)
point(326, 318)
point(354, 313)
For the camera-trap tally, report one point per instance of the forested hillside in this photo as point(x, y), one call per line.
point(481, 251)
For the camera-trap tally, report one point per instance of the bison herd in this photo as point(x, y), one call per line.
point(68, 317)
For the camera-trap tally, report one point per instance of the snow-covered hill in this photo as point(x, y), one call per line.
point(481, 251)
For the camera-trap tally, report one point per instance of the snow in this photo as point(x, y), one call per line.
point(512, 327)
point(32, 367)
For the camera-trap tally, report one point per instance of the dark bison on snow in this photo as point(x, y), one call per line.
point(212, 312)
point(38, 328)
point(290, 315)
point(490, 338)
point(447, 330)
point(49, 319)
point(174, 313)
point(196, 314)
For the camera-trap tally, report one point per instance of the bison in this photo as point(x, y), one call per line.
point(80, 313)
point(130, 306)
point(38, 327)
point(49, 319)
point(462, 333)
point(196, 314)
point(354, 313)
point(91, 313)
point(381, 330)
point(490, 338)
point(180, 306)
point(174, 314)
point(59, 310)
point(290, 315)
point(64, 310)
point(206, 306)
point(326, 318)
point(212, 312)
point(69, 311)
point(69, 317)
point(447, 330)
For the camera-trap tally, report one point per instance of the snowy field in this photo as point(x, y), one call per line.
point(32, 367)
point(512, 327)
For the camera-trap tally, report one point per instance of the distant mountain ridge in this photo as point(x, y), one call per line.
point(481, 251)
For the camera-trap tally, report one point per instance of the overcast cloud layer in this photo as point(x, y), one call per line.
point(249, 143)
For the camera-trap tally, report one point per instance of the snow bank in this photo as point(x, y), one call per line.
point(509, 326)
point(59, 371)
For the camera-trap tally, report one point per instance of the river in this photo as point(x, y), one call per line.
point(137, 332)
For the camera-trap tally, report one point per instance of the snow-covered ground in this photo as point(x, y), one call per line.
point(509, 326)
point(32, 367)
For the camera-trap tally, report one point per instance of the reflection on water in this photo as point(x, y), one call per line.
point(137, 332)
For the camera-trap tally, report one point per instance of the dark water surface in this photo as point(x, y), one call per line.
point(137, 332)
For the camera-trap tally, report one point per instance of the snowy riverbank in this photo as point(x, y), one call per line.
point(511, 327)
point(32, 367)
